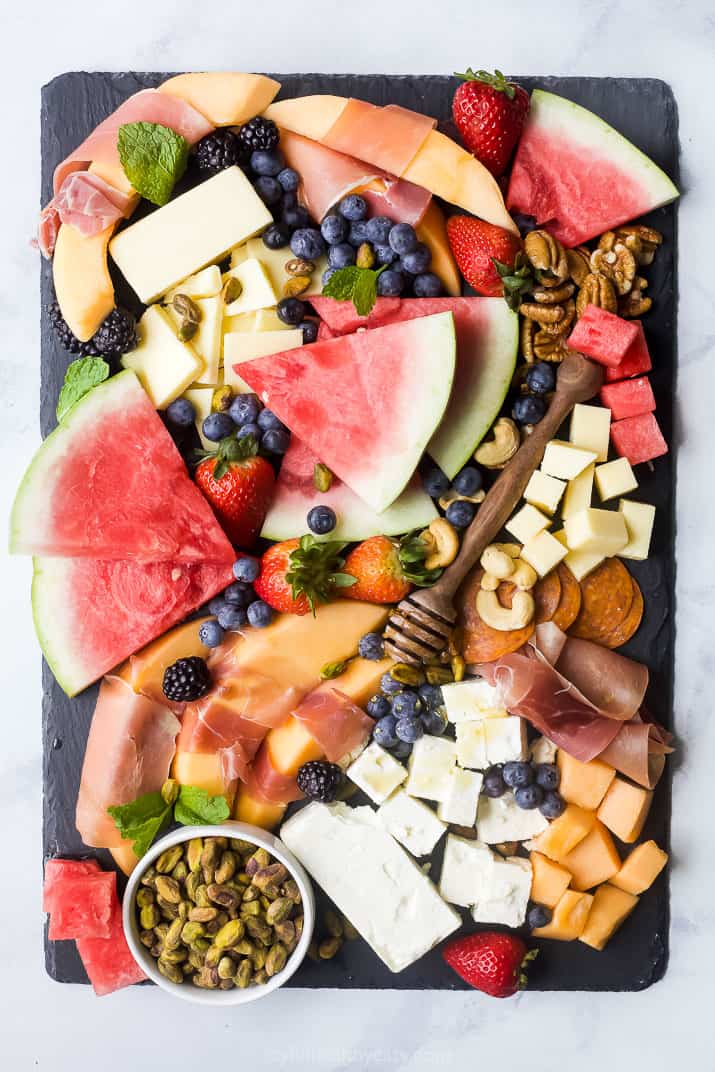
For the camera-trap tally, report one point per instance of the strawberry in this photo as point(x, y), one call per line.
point(490, 961)
point(386, 570)
point(476, 246)
point(297, 574)
point(490, 114)
point(238, 485)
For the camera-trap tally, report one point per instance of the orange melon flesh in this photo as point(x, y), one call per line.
point(203, 770)
point(564, 833)
point(224, 97)
point(115, 175)
point(433, 232)
point(145, 670)
point(584, 784)
point(594, 860)
point(641, 869)
point(258, 812)
point(569, 918)
point(83, 285)
point(625, 809)
point(549, 880)
point(610, 908)
point(125, 857)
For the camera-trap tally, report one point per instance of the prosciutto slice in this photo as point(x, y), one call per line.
point(388, 137)
point(85, 202)
point(334, 721)
point(264, 782)
point(402, 201)
point(129, 751)
point(326, 175)
point(214, 725)
point(639, 750)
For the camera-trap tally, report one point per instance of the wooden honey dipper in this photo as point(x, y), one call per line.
point(420, 626)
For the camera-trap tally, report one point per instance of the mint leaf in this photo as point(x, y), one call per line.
point(81, 376)
point(341, 283)
point(153, 157)
point(358, 285)
point(141, 820)
point(195, 807)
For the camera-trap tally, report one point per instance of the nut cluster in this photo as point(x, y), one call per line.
point(338, 929)
point(219, 912)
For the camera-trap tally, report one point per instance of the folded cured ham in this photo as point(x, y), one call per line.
point(87, 203)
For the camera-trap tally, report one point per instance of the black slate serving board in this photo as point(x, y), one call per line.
point(645, 111)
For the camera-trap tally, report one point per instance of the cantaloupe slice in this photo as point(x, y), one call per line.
point(125, 857)
point(641, 869)
point(145, 670)
point(610, 908)
point(224, 97)
point(257, 812)
point(594, 860)
point(83, 285)
point(549, 882)
point(569, 918)
point(564, 833)
point(432, 231)
point(584, 784)
point(202, 769)
point(115, 175)
point(625, 809)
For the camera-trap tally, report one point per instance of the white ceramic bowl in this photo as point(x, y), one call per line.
point(187, 990)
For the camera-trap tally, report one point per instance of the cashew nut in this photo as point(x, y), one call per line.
point(497, 562)
point(496, 452)
point(453, 496)
point(489, 582)
point(511, 549)
point(441, 537)
point(524, 575)
point(506, 619)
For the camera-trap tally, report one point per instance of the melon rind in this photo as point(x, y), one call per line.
point(50, 578)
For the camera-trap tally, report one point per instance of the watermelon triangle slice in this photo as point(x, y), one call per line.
point(578, 176)
point(366, 404)
point(109, 483)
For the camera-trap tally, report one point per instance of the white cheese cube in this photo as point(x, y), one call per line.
point(581, 563)
point(201, 399)
point(501, 819)
point(565, 461)
point(257, 290)
point(472, 700)
point(590, 429)
point(191, 231)
point(205, 284)
point(372, 880)
point(208, 338)
point(466, 870)
point(544, 553)
point(602, 531)
point(460, 806)
point(544, 491)
point(377, 773)
point(615, 478)
point(505, 739)
point(240, 346)
point(542, 751)
point(506, 896)
point(411, 823)
point(639, 519)
point(430, 767)
point(472, 745)
point(527, 523)
point(577, 496)
point(165, 365)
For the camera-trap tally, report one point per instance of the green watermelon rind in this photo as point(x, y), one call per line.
point(48, 579)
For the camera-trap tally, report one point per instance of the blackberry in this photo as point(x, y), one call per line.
point(218, 151)
point(64, 335)
point(116, 335)
point(319, 780)
point(186, 680)
point(258, 133)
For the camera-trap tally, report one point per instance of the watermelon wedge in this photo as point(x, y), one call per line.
point(578, 176)
point(90, 614)
point(109, 483)
point(295, 494)
point(366, 404)
point(487, 340)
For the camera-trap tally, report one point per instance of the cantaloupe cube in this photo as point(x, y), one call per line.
point(641, 869)
point(257, 812)
point(594, 860)
point(564, 833)
point(609, 909)
point(125, 857)
point(202, 769)
point(584, 784)
point(569, 918)
point(624, 809)
point(549, 880)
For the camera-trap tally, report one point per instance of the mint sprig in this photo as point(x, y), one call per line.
point(142, 820)
point(81, 376)
point(154, 158)
point(358, 285)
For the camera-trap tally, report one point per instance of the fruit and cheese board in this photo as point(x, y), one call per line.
point(351, 305)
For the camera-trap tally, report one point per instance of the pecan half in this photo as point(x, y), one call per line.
point(648, 238)
point(617, 264)
point(579, 262)
point(542, 314)
point(548, 256)
point(596, 290)
point(562, 326)
point(550, 347)
point(527, 331)
point(553, 295)
point(634, 305)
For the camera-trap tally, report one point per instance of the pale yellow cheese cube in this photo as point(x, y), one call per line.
point(258, 292)
point(603, 531)
point(577, 496)
point(565, 461)
point(275, 260)
point(544, 553)
point(639, 519)
point(165, 365)
point(208, 338)
point(544, 491)
point(242, 322)
point(590, 429)
point(243, 346)
point(527, 523)
point(201, 399)
point(239, 254)
point(268, 320)
point(615, 478)
point(204, 284)
point(581, 563)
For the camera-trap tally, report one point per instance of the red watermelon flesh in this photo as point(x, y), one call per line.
point(57, 871)
point(91, 614)
point(342, 319)
point(577, 176)
point(635, 363)
point(628, 398)
point(639, 439)
point(108, 961)
point(603, 336)
point(84, 906)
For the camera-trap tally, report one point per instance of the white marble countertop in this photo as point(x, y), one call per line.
point(61, 1028)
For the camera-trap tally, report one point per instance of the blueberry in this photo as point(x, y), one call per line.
point(210, 633)
point(268, 190)
point(431, 696)
point(327, 275)
point(468, 481)
point(435, 482)
point(401, 750)
point(409, 730)
point(267, 162)
point(289, 179)
point(310, 330)
point(276, 236)
point(276, 440)
point(334, 229)
point(529, 796)
point(385, 254)
point(538, 916)
point(267, 419)
point(384, 731)
point(427, 285)
point(357, 233)
point(406, 704)
point(238, 594)
point(389, 685)
point(308, 243)
point(321, 520)
point(295, 216)
point(246, 568)
point(433, 722)
point(291, 311)
point(232, 617)
point(250, 428)
point(353, 207)
point(517, 774)
point(378, 706)
point(181, 413)
point(342, 255)
point(494, 784)
point(417, 260)
point(371, 646)
point(259, 614)
point(217, 426)
point(290, 199)
point(541, 378)
point(402, 238)
point(528, 409)
point(460, 513)
point(378, 230)
point(552, 805)
point(548, 776)
point(390, 283)
point(244, 409)
point(216, 604)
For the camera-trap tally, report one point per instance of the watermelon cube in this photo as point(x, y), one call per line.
point(57, 871)
point(635, 363)
point(603, 336)
point(84, 906)
point(638, 438)
point(628, 398)
point(108, 961)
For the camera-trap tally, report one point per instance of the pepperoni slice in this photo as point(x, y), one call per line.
point(482, 644)
point(547, 596)
point(570, 604)
point(606, 598)
point(630, 624)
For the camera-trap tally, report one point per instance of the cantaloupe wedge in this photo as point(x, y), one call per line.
point(433, 232)
point(224, 97)
point(145, 670)
point(610, 908)
point(83, 285)
point(569, 918)
point(125, 857)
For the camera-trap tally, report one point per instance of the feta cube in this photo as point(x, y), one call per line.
point(460, 806)
point(581, 563)
point(542, 750)
point(544, 553)
point(590, 429)
point(501, 819)
point(639, 519)
point(615, 478)
point(544, 491)
point(527, 523)
point(430, 767)
point(377, 773)
point(466, 870)
point(602, 531)
point(411, 823)
point(564, 460)
point(506, 893)
point(505, 739)
point(471, 700)
point(472, 745)
point(577, 496)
